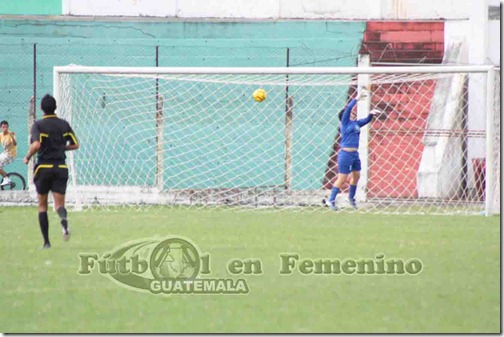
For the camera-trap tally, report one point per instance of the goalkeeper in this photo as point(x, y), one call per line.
point(348, 157)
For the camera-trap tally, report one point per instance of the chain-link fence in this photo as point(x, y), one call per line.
point(16, 87)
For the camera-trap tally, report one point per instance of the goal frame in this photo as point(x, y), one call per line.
point(488, 70)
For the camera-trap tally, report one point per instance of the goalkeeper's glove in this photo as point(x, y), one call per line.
point(375, 112)
point(362, 94)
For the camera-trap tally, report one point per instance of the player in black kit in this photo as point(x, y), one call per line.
point(50, 138)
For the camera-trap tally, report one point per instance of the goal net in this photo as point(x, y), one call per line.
point(195, 137)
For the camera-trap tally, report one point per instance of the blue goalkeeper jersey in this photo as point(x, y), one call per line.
point(350, 130)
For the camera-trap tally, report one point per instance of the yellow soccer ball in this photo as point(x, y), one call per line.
point(259, 95)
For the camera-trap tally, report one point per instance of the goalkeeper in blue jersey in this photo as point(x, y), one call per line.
point(348, 157)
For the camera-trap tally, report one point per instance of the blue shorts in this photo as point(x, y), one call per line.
point(348, 162)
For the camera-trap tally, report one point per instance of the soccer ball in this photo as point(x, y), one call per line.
point(259, 95)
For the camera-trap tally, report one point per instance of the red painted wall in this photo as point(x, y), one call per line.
point(395, 142)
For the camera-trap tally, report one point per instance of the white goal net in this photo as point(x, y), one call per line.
point(195, 137)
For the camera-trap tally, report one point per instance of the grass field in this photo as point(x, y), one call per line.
point(458, 289)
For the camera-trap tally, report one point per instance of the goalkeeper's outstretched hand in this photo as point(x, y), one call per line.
point(375, 112)
point(362, 94)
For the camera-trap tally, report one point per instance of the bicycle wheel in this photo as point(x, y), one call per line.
point(17, 182)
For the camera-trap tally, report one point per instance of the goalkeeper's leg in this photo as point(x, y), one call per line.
point(354, 179)
point(345, 162)
point(331, 202)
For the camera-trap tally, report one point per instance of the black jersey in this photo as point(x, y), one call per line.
point(53, 133)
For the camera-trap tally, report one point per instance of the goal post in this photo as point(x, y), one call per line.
point(489, 169)
point(362, 111)
point(195, 137)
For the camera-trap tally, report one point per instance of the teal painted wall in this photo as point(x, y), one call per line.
point(188, 44)
point(31, 7)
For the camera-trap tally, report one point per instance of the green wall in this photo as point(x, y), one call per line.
point(116, 43)
point(31, 7)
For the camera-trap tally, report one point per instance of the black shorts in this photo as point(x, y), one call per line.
point(50, 177)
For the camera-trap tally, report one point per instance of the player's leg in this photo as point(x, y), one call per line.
point(58, 188)
point(59, 205)
point(4, 160)
point(354, 179)
point(331, 201)
point(5, 179)
point(342, 177)
point(43, 219)
point(42, 180)
point(344, 163)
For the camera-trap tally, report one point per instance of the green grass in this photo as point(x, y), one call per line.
point(457, 291)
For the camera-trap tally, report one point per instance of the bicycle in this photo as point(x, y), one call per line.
point(17, 182)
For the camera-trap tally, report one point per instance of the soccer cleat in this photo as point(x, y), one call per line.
point(6, 181)
point(47, 245)
point(353, 203)
point(65, 230)
point(329, 204)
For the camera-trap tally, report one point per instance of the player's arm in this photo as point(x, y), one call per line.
point(34, 143)
point(71, 147)
point(72, 143)
point(364, 121)
point(348, 109)
point(34, 147)
point(369, 118)
point(14, 142)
